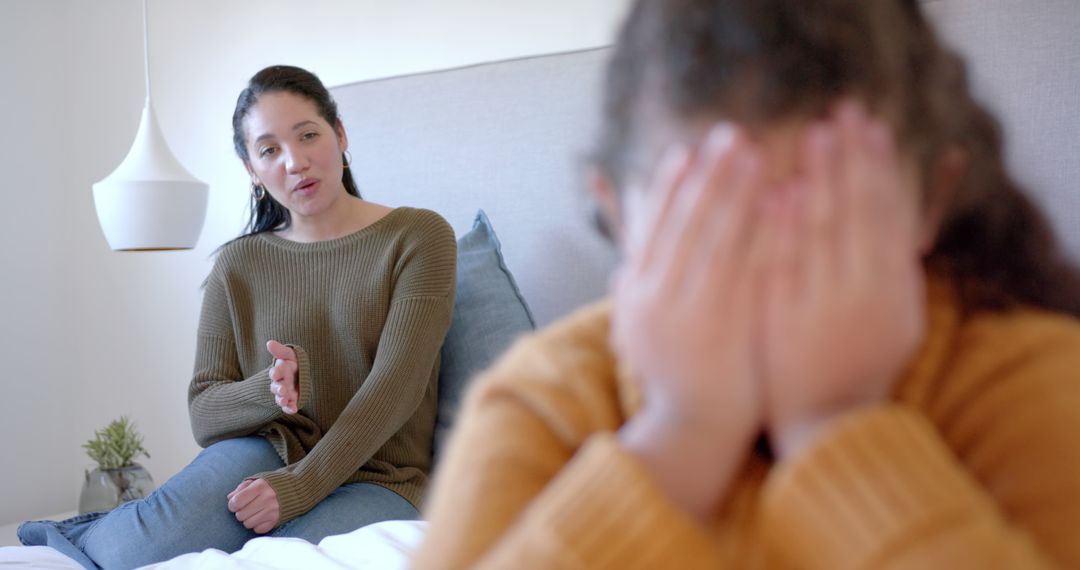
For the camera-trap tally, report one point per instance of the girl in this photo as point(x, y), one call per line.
point(349, 301)
point(840, 336)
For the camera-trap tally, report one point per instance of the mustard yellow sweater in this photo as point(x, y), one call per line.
point(366, 315)
point(974, 464)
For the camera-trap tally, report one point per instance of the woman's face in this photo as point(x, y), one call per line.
point(295, 153)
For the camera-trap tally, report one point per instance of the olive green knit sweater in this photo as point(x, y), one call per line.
point(366, 314)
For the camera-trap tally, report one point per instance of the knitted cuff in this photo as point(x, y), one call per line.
point(303, 376)
point(603, 510)
point(872, 480)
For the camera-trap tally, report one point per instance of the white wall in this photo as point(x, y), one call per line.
point(87, 334)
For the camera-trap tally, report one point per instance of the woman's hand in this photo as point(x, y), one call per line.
point(256, 506)
point(683, 318)
point(283, 376)
point(845, 310)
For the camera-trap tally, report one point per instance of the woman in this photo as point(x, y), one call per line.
point(349, 301)
point(840, 336)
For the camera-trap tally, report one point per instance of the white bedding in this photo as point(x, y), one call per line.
point(382, 546)
point(35, 557)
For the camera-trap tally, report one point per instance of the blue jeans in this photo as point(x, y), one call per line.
point(188, 513)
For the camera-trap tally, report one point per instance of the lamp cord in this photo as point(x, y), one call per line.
point(146, 49)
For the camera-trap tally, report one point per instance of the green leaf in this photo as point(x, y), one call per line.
point(116, 446)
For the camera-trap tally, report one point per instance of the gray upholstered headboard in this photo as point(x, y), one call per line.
point(506, 137)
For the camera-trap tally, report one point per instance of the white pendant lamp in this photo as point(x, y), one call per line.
point(150, 202)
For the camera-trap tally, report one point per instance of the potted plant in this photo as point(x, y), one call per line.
point(117, 478)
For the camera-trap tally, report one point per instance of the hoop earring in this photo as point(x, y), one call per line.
point(346, 158)
point(258, 191)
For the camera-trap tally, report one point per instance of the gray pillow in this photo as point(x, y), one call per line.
point(489, 313)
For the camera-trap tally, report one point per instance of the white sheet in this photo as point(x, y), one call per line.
point(383, 546)
point(35, 557)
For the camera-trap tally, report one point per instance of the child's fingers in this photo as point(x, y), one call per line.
point(785, 266)
point(760, 236)
point(820, 150)
point(814, 203)
point(852, 185)
point(651, 213)
point(860, 183)
point(699, 206)
point(726, 241)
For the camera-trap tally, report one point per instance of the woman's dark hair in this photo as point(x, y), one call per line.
point(757, 62)
point(267, 214)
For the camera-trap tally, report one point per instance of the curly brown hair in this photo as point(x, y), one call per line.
point(757, 62)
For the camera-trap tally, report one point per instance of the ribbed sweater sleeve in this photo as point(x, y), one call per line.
point(881, 490)
point(408, 349)
point(603, 511)
point(534, 478)
point(985, 476)
point(221, 402)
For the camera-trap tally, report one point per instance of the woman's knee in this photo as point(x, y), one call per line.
point(253, 450)
point(235, 459)
point(160, 527)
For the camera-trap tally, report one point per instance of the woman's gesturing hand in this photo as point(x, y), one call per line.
point(684, 304)
point(256, 505)
point(283, 376)
point(845, 302)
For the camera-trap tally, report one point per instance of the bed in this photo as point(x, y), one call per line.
point(385, 546)
point(509, 138)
